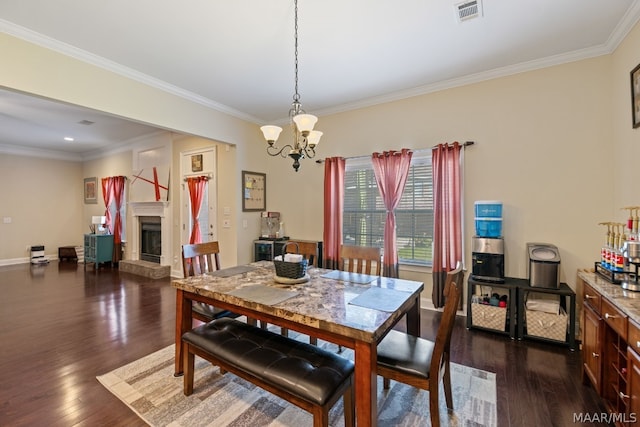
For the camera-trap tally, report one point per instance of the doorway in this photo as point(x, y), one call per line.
point(195, 163)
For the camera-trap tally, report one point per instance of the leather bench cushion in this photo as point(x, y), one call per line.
point(299, 368)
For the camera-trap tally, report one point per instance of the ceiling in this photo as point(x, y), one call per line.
point(238, 56)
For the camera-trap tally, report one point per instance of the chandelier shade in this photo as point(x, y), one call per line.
point(271, 133)
point(305, 139)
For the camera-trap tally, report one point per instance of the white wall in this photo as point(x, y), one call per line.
point(41, 202)
point(543, 147)
point(625, 178)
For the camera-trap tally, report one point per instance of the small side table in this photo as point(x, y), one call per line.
point(565, 292)
point(511, 286)
point(67, 253)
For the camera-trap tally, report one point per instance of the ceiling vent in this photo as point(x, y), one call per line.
point(468, 10)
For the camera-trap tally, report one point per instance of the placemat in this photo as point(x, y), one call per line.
point(232, 271)
point(381, 299)
point(262, 294)
point(345, 276)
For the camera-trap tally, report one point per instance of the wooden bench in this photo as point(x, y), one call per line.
point(307, 376)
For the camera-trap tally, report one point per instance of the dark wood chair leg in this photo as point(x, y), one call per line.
point(349, 400)
point(188, 368)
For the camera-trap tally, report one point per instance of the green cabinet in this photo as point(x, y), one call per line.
point(98, 249)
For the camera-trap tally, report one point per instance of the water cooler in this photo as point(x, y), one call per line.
point(487, 249)
point(487, 256)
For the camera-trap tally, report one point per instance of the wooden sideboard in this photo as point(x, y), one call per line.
point(611, 346)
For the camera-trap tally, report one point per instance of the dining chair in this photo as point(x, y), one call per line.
point(360, 259)
point(420, 362)
point(201, 258)
point(309, 251)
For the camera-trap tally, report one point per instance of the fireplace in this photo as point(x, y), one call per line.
point(150, 238)
point(159, 241)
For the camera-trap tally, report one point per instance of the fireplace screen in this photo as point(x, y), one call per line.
point(150, 238)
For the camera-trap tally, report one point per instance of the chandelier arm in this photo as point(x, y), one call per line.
point(274, 151)
point(309, 151)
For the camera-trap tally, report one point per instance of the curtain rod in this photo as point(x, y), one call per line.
point(464, 144)
point(207, 176)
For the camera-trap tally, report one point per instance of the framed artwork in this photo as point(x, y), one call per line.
point(196, 163)
point(635, 96)
point(91, 190)
point(254, 191)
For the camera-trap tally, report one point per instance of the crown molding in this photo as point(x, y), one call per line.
point(84, 56)
point(40, 152)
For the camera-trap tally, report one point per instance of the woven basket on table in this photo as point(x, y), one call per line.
point(290, 270)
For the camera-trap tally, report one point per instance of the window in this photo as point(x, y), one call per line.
point(365, 214)
point(123, 216)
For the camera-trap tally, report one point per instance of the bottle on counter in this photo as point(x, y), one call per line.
point(618, 258)
point(605, 251)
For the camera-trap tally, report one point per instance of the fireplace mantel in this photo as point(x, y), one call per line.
point(148, 208)
point(160, 209)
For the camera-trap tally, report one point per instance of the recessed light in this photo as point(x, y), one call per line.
point(68, 138)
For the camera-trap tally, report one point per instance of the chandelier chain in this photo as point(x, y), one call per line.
point(296, 95)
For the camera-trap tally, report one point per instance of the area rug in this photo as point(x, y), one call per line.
point(149, 388)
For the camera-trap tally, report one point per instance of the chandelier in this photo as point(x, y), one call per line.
point(305, 138)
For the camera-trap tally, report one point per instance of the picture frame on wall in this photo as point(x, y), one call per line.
point(196, 163)
point(254, 191)
point(635, 96)
point(91, 190)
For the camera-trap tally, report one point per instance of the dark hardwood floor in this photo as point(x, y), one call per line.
point(60, 327)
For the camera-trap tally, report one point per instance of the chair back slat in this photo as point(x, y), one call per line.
point(360, 259)
point(309, 250)
point(200, 258)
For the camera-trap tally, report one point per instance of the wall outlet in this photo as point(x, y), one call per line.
point(226, 223)
point(6, 220)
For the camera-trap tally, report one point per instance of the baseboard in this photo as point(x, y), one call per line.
point(27, 260)
point(15, 261)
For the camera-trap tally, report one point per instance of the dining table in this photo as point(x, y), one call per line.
point(349, 309)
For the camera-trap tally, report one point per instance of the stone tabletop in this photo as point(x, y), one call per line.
point(321, 302)
point(627, 301)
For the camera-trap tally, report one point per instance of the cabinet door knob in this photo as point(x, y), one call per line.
point(595, 355)
point(609, 316)
point(638, 344)
point(624, 396)
point(587, 296)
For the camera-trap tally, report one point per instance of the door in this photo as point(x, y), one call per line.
point(197, 163)
point(592, 347)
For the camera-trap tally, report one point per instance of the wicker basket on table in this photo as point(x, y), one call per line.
point(290, 270)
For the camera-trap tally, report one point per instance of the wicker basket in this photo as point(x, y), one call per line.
point(489, 316)
point(547, 325)
point(290, 270)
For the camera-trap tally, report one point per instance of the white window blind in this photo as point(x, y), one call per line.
point(365, 214)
